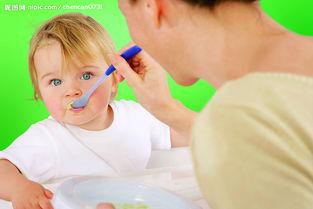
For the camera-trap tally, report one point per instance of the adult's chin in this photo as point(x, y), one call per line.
point(184, 81)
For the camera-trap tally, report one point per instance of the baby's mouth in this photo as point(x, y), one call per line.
point(71, 108)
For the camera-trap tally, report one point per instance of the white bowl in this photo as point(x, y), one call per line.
point(87, 192)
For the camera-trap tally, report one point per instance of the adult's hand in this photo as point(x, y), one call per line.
point(148, 80)
point(105, 206)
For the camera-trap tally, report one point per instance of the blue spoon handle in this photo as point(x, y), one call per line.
point(128, 54)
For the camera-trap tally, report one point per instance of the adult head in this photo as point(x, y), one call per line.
point(180, 34)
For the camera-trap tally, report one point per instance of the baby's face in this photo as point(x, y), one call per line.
point(58, 89)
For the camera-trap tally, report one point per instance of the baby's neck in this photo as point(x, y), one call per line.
point(101, 122)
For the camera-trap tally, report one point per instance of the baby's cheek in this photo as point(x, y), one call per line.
point(101, 98)
point(54, 109)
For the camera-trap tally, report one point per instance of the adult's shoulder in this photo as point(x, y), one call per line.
point(259, 102)
point(264, 89)
point(248, 90)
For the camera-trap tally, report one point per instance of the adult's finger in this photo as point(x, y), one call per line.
point(105, 206)
point(45, 204)
point(48, 194)
point(34, 205)
point(123, 68)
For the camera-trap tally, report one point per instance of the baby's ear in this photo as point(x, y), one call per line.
point(119, 77)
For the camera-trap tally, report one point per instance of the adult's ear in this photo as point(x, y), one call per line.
point(164, 12)
point(158, 11)
point(154, 11)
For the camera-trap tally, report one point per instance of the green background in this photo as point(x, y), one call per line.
point(17, 108)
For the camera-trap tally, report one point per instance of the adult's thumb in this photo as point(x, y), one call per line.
point(48, 194)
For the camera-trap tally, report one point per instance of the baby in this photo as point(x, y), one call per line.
point(67, 55)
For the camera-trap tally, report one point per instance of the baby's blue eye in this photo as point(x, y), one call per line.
point(86, 76)
point(56, 82)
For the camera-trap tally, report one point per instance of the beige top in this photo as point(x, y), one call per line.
point(253, 143)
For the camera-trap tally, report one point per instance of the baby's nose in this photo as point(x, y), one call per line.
point(73, 92)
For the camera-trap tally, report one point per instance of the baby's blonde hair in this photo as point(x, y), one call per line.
point(80, 37)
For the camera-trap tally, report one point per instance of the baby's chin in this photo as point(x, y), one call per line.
point(84, 119)
point(69, 119)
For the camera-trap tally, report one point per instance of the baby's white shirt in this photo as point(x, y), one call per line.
point(49, 151)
